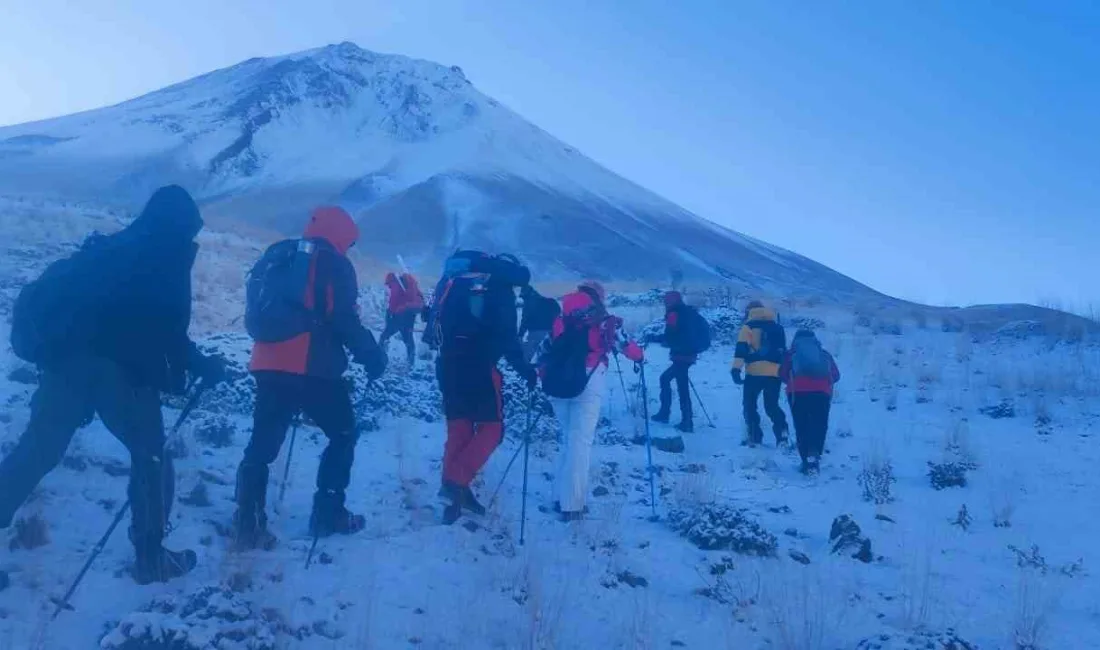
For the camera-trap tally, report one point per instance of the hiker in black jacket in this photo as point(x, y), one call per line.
point(682, 357)
point(538, 317)
point(115, 362)
point(476, 314)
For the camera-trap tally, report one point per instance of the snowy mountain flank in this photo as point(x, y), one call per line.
point(424, 161)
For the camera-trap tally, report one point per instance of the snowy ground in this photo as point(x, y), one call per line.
point(1021, 413)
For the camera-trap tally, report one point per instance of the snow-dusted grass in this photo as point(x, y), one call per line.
point(617, 579)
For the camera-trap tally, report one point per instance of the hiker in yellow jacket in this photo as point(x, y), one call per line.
point(761, 346)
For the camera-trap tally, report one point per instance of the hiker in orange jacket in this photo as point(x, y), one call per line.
point(405, 302)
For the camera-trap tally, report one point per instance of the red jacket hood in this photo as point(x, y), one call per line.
point(334, 225)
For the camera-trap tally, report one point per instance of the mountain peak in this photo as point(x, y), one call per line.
point(409, 146)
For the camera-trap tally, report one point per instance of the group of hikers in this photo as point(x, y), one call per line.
point(108, 330)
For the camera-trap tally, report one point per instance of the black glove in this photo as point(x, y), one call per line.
point(375, 364)
point(737, 378)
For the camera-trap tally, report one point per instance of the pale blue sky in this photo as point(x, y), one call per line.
point(940, 151)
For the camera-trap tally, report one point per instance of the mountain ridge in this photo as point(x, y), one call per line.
point(421, 157)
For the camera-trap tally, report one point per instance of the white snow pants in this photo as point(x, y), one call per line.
point(578, 418)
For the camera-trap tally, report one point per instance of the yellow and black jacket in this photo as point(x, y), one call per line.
point(761, 344)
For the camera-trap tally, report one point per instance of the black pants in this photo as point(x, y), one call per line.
point(810, 412)
point(677, 371)
point(401, 324)
point(280, 397)
point(69, 395)
point(770, 388)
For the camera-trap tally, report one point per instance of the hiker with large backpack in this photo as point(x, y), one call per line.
point(539, 314)
point(404, 304)
point(474, 317)
point(686, 335)
point(457, 264)
point(809, 373)
point(573, 364)
point(107, 328)
point(761, 346)
point(303, 315)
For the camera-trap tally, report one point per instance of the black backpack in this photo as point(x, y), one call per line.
point(694, 331)
point(475, 290)
point(773, 343)
point(275, 309)
point(463, 309)
point(565, 372)
point(58, 313)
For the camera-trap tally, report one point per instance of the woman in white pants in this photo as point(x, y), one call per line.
point(578, 416)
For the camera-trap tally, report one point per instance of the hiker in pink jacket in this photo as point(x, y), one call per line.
point(573, 364)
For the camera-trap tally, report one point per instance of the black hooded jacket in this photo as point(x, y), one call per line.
point(539, 312)
point(143, 327)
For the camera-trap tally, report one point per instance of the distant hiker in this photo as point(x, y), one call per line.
point(107, 328)
point(302, 313)
point(539, 313)
point(686, 335)
point(809, 373)
point(474, 315)
point(761, 346)
point(573, 363)
point(405, 303)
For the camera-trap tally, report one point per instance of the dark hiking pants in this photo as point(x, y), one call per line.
point(769, 387)
point(280, 397)
point(678, 371)
point(402, 324)
point(810, 412)
point(70, 394)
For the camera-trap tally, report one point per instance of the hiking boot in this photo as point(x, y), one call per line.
point(568, 517)
point(660, 416)
point(470, 502)
point(343, 522)
point(558, 510)
point(686, 427)
point(158, 564)
point(250, 532)
point(669, 445)
point(782, 438)
point(330, 517)
point(814, 465)
point(451, 513)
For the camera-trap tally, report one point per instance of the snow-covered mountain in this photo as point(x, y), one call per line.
point(424, 159)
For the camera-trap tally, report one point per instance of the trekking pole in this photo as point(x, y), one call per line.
point(312, 549)
point(511, 462)
point(63, 602)
point(526, 463)
point(289, 455)
point(622, 382)
point(648, 441)
point(701, 405)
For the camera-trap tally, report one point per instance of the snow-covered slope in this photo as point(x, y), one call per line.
point(426, 161)
point(1000, 562)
